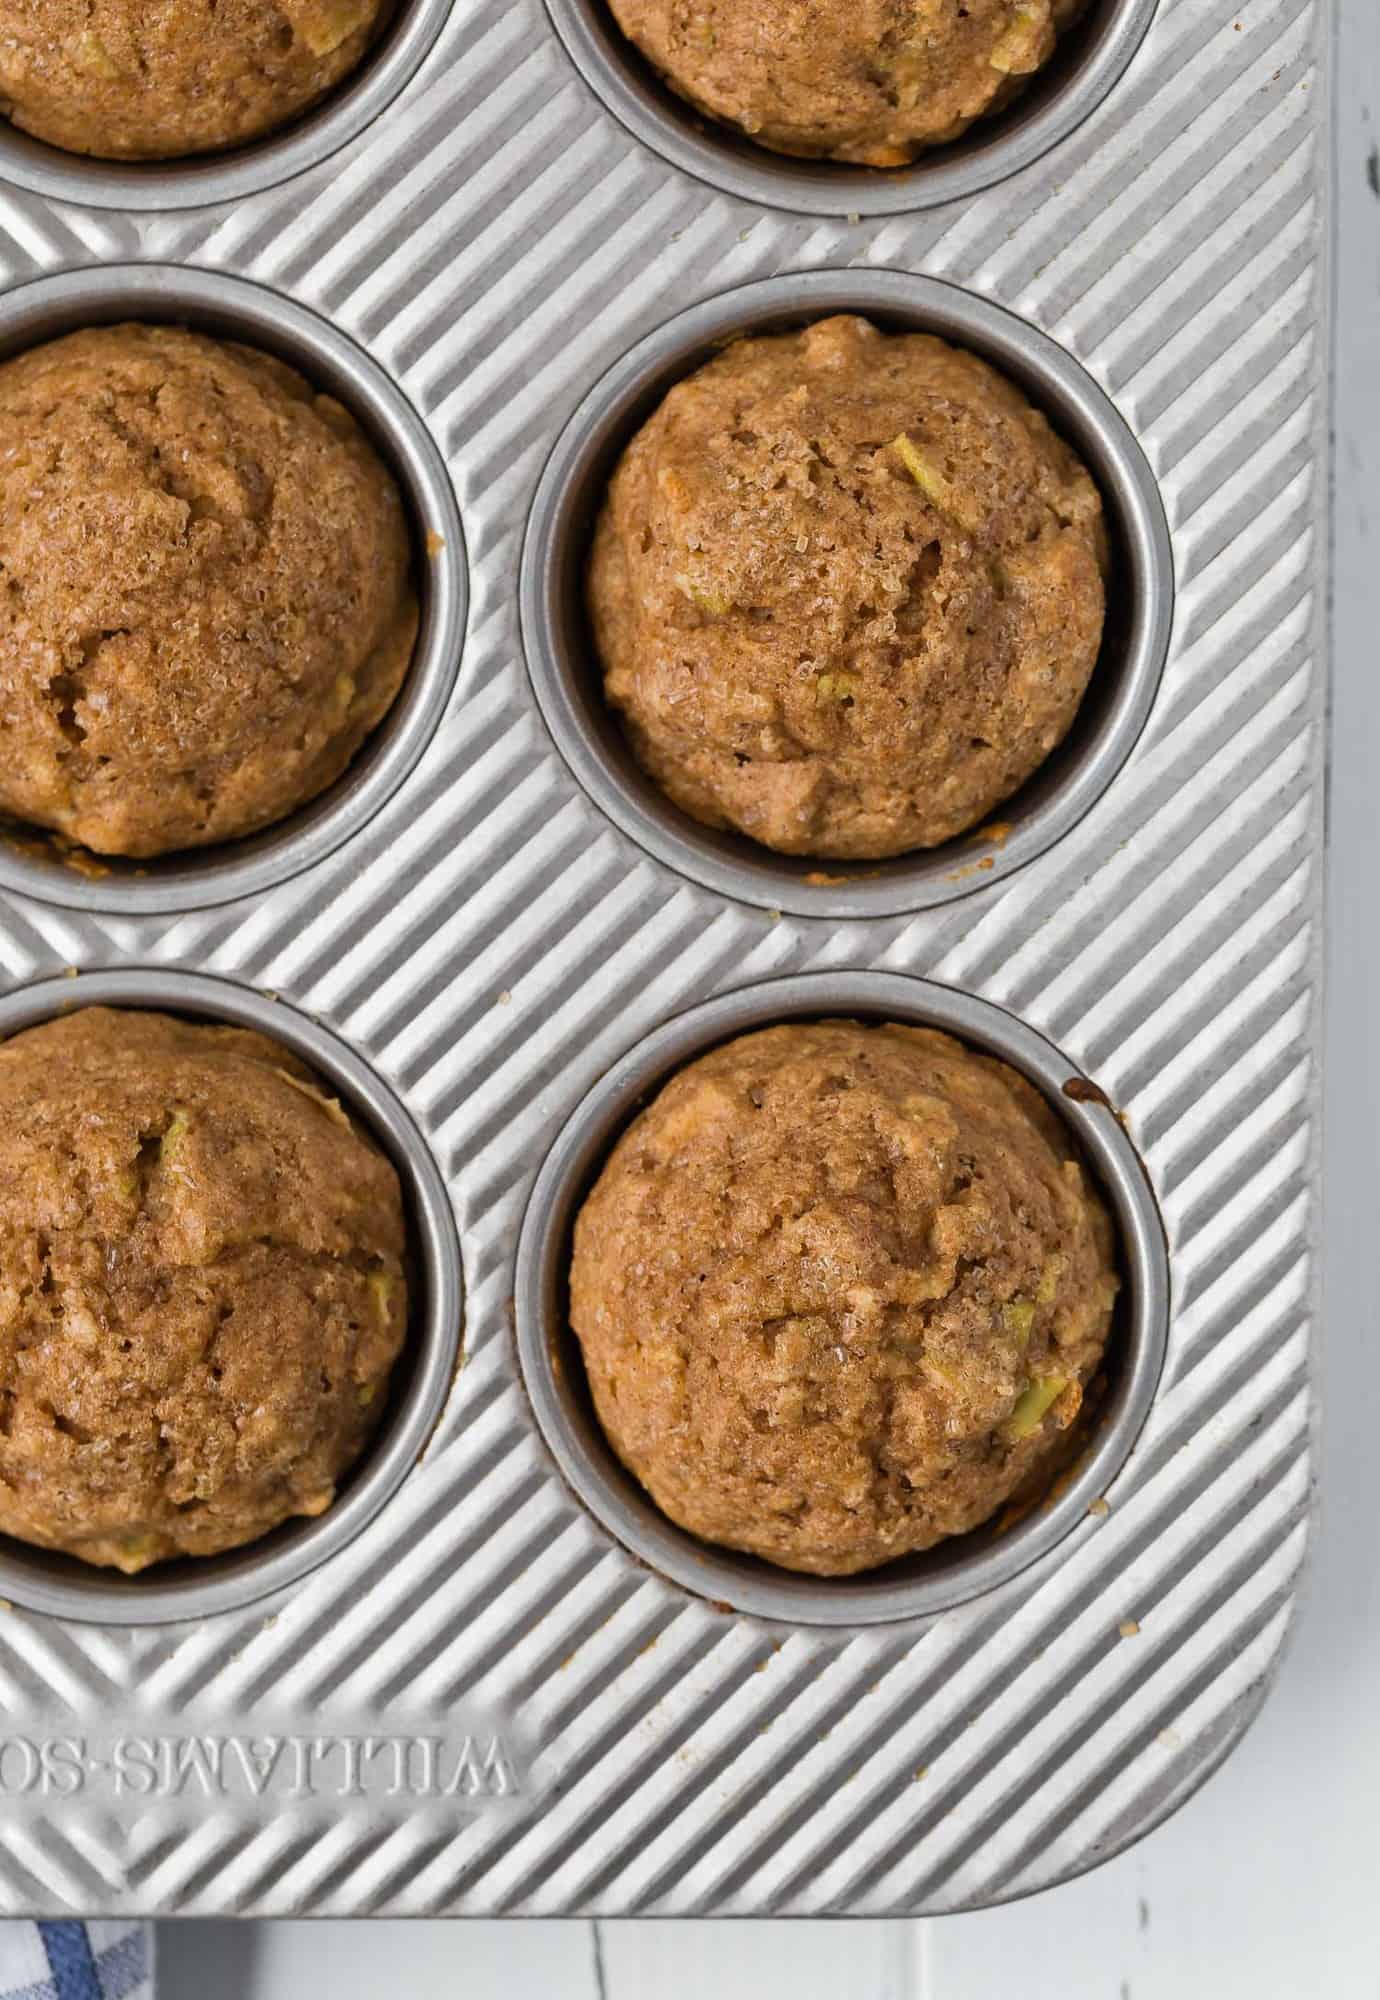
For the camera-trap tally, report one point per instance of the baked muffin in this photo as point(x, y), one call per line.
point(874, 82)
point(840, 1292)
point(201, 1287)
point(209, 597)
point(157, 79)
point(847, 590)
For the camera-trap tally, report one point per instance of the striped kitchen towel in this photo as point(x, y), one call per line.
point(69, 1961)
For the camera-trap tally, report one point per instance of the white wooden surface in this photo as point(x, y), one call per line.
point(1265, 1886)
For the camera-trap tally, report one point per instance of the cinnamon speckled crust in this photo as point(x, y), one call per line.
point(875, 82)
point(847, 588)
point(201, 1287)
point(158, 79)
point(206, 597)
point(819, 1284)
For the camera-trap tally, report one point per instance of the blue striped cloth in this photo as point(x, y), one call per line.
point(70, 1961)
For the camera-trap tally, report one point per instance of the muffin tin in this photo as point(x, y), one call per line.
point(491, 1680)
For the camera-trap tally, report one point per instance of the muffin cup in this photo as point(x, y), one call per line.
point(201, 179)
point(913, 1586)
point(1091, 56)
point(565, 670)
point(197, 1587)
point(31, 863)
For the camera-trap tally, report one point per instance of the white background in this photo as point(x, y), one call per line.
point(1265, 1886)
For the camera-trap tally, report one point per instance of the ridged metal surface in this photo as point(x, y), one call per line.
point(491, 944)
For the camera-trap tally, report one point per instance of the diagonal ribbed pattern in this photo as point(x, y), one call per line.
point(491, 944)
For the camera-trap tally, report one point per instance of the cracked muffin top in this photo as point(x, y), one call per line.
point(156, 79)
point(201, 1287)
point(872, 82)
point(847, 590)
point(840, 1290)
point(206, 597)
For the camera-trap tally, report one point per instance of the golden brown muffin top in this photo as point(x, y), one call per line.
point(874, 82)
point(201, 1286)
point(208, 596)
point(158, 79)
point(847, 588)
point(840, 1290)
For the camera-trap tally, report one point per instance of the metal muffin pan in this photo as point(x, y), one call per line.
point(201, 179)
point(919, 1586)
point(485, 1702)
point(201, 1587)
point(214, 302)
point(565, 670)
point(1092, 54)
